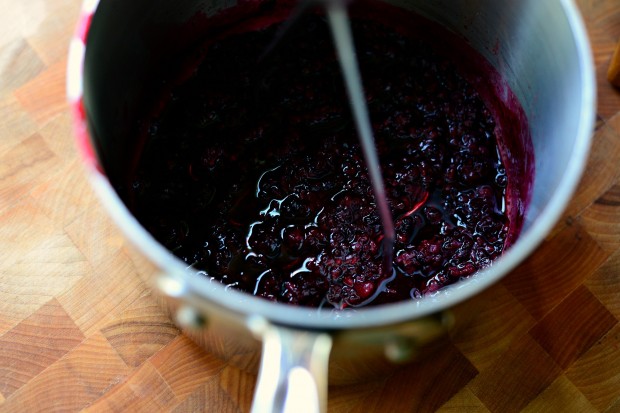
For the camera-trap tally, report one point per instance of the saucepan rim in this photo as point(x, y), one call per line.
point(188, 284)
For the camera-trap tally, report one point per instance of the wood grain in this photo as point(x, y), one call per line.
point(80, 332)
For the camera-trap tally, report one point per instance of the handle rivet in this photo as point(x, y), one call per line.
point(400, 350)
point(189, 317)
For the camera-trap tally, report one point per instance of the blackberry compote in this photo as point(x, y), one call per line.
point(252, 171)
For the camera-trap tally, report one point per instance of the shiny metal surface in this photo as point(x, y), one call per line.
point(293, 370)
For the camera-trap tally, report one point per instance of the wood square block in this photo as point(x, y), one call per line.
point(58, 390)
point(605, 284)
point(16, 125)
point(602, 219)
point(35, 344)
point(603, 171)
point(7, 322)
point(66, 196)
point(95, 364)
point(21, 166)
point(60, 138)
point(597, 373)
point(209, 394)
point(464, 401)
point(44, 97)
point(572, 327)
point(96, 235)
point(499, 320)
point(239, 385)
point(37, 261)
point(19, 63)
point(27, 233)
point(356, 400)
point(185, 366)
point(516, 378)
point(74, 381)
point(556, 268)
point(108, 288)
point(145, 391)
point(230, 391)
point(140, 331)
point(423, 386)
point(561, 396)
point(19, 20)
point(51, 39)
point(351, 396)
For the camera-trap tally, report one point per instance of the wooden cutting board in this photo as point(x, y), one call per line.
point(78, 330)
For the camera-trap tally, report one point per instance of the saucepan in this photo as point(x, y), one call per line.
point(540, 50)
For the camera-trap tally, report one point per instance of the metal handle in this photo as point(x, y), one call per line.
point(293, 372)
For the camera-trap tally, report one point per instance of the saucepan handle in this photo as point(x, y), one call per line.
point(293, 371)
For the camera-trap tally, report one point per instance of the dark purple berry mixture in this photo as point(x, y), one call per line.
point(253, 172)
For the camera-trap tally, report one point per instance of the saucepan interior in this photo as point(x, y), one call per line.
point(539, 49)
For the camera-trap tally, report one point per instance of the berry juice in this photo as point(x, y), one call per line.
point(251, 171)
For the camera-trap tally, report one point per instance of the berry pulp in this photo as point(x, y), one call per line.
point(253, 174)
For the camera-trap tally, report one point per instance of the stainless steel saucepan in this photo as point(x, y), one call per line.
point(539, 48)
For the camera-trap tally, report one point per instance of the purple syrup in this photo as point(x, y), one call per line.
point(253, 172)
